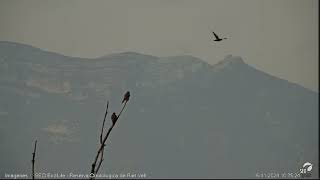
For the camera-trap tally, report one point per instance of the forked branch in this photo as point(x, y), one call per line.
point(94, 167)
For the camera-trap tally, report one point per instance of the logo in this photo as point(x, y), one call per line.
point(306, 169)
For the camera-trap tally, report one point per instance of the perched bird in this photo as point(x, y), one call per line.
point(114, 118)
point(126, 97)
point(217, 37)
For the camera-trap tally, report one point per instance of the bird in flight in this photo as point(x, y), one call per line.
point(114, 118)
point(126, 97)
point(217, 37)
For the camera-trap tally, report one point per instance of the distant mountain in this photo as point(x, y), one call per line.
point(185, 119)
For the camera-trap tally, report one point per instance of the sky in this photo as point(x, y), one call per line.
point(279, 37)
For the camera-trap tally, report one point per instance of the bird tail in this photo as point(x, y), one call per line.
point(123, 100)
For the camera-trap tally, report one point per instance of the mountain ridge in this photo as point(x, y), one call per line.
point(185, 118)
point(228, 62)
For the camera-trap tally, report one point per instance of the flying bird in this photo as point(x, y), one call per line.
point(114, 118)
point(126, 97)
point(217, 37)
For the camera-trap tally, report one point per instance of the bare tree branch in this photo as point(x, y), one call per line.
point(104, 120)
point(100, 162)
point(125, 103)
point(33, 157)
point(101, 135)
point(94, 169)
point(93, 166)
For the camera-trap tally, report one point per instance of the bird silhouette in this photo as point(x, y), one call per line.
point(217, 37)
point(114, 118)
point(126, 97)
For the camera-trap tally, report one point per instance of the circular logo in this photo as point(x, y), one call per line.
point(308, 166)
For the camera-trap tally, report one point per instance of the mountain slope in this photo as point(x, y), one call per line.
point(185, 118)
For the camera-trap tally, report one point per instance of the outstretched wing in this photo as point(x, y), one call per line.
point(216, 36)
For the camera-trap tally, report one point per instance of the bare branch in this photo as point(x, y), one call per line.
point(100, 162)
point(101, 135)
point(100, 152)
point(93, 171)
point(104, 120)
point(33, 158)
point(125, 103)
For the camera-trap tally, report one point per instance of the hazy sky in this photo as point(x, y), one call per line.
point(277, 36)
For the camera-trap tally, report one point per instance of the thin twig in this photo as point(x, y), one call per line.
point(93, 166)
point(101, 135)
point(125, 103)
point(100, 162)
point(100, 153)
point(33, 157)
point(104, 120)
